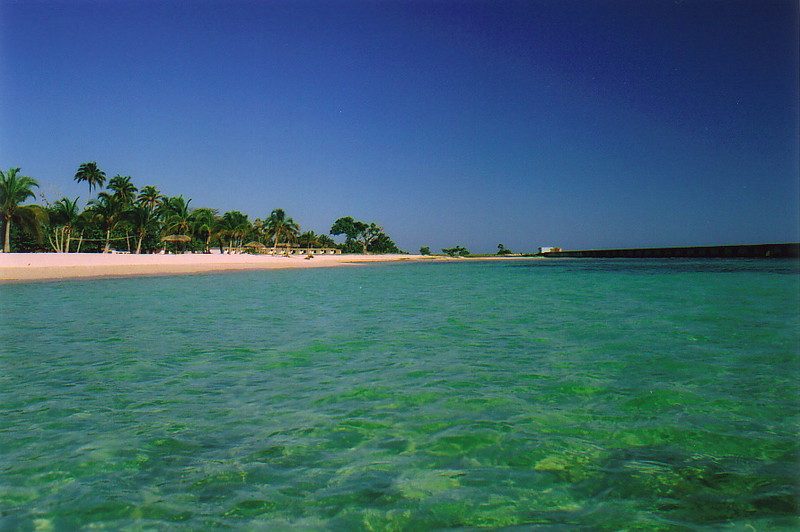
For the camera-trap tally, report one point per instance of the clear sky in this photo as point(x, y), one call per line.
point(572, 123)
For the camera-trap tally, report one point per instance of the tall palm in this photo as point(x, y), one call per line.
point(91, 174)
point(14, 189)
point(204, 225)
point(279, 225)
point(123, 189)
point(150, 196)
point(236, 227)
point(308, 239)
point(142, 220)
point(107, 211)
point(64, 216)
point(176, 215)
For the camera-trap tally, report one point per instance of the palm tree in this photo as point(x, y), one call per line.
point(64, 216)
point(309, 239)
point(150, 196)
point(14, 189)
point(123, 189)
point(176, 215)
point(325, 241)
point(90, 173)
point(142, 220)
point(204, 225)
point(236, 227)
point(108, 211)
point(278, 225)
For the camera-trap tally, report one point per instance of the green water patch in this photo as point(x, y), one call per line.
point(662, 400)
point(577, 395)
point(687, 488)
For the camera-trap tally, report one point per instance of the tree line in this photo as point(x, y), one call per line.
point(142, 220)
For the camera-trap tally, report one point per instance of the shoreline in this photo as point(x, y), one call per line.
point(29, 267)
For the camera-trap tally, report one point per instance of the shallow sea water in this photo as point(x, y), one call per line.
point(536, 395)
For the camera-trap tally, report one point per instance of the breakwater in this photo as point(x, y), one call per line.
point(752, 251)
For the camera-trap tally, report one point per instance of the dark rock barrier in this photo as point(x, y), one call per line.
point(757, 251)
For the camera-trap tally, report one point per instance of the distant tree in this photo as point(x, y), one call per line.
point(502, 250)
point(425, 250)
point(325, 241)
point(143, 221)
point(363, 237)
point(381, 243)
point(91, 174)
point(176, 215)
point(150, 196)
point(351, 229)
point(107, 211)
point(309, 239)
point(457, 251)
point(123, 189)
point(205, 226)
point(279, 225)
point(64, 217)
point(235, 227)
point(14, 189)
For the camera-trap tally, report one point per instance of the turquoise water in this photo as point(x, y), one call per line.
point(564, 394)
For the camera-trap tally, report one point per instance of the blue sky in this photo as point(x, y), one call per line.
point(572, 123)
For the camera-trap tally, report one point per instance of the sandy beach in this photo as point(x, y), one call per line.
point(55, 266)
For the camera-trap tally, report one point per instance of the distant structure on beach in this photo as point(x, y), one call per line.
point(549, 250)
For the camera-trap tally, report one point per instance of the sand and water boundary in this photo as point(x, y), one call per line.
point(22, 267)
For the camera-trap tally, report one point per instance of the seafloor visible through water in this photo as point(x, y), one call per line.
point(561, 394)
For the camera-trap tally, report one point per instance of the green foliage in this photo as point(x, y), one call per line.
point(381, 243)
point(326, 242)
point(90, 174)
point(458, 251)
point(425, 250)
point(278, 226)
point(14, 189)
point(21, 241)
point(124, 217)
point(124, 190)
point(501, 250)
point(362, 237)
point(349, 227)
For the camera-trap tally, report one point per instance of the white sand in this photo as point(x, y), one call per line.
point(40, 266)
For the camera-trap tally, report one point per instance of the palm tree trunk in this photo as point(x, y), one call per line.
point(54, 240)
point(108, 242)
point(7, 237)
point(80, 242)
point(69, 237)
point(139, 243)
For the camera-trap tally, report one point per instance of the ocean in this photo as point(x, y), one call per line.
point(562, 394)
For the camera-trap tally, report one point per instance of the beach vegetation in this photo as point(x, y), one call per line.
point(456, 251)
point(362, 237)
point(424, 250)
point(107, 211)
point(14, 189)
point(90, 174)
point(64, 218)
point(278, 226)
point(176, 215)
point(124, 191)
point(502, 250)
point(205, 226)
point(235, 228)
point(143, 221)
point(150, 197)
point(124, 217)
